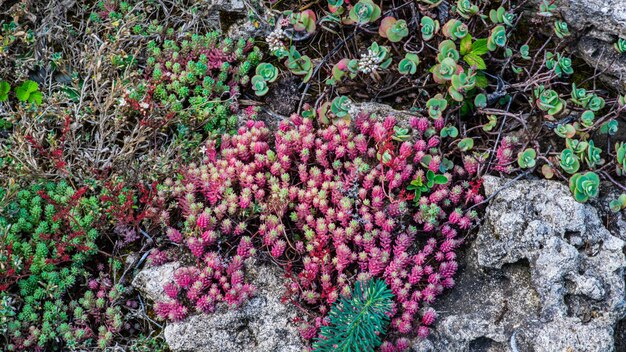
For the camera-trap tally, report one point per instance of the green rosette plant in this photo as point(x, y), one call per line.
point(364, 11)
point(584, 186)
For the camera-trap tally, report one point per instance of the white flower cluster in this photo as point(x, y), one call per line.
point(274, 39)
point(368, 62)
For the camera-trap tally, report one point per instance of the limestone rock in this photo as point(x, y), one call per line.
point(263, 324)
point(543, 275)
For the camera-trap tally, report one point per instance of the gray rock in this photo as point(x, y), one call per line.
point(150, 281)
point(262, 324)
point(598, 24)
point(543, 275)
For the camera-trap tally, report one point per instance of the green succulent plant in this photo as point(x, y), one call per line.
point(449, 131)
point(560, 29)
point(268, 71)
point(559, 64)
point(447, 49)
point(408, 65)
point(576, 145)
point(304, 21)
point(565, 130)
point(393, 29)
point(480, 101)
point(547, 7)
point(429, 27)
point(587, 118)
point(357, 322)
point(466, 144)
point(364, 11)
point(259, 85)
point(593, 156)
point(498, 16)
point(580, 96)
point(548, 100)
point(341, 106)
point(497, 38)
point(436, 106)
point(609, 127)
point(299, 64)
point(569, 161)
point(444, 71)
point(524, 52)
point(462, 83)
point(584, 186)
point(526, 158)
point(618, 204)
point(466, 9)
point(620, 157)
point(596, 103)
point(454, 29)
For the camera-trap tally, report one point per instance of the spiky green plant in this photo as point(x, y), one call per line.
point(357, 322)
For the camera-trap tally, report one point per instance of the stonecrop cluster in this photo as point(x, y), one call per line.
point(48, 238)
point(332, 205)
point(196, 79)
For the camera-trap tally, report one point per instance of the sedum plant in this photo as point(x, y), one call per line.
point(357, 321)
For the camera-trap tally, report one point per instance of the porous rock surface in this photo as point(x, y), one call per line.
point(543, 275)
point(596, 25)
point(262, 324)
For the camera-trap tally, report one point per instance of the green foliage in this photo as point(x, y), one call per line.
point(584, 186)
point(5, 88)
point(364, 11)
point(29, 92)
point(341, 106)
point(357, 322)
point(526, 159)
point(408, 65)
point(548, 100)
point(419, 185)
point(429, 28)
point(569, 161)
point(560, 29)
point(618, 204)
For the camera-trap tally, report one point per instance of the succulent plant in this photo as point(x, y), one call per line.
point(500, 15)
point(408, 65)
point(429, 27)
point(436, 106)
point(466, 144)
point(364, 11)
point(268, 71)
point(596, 103)
point(620, 157)
point(454, 29)
point(618, 204)
point(259, 85)
point(466, 9)
point(609, 127)
point(548, 100)
point(559, 63)
point(393, 29)
point(299, 64)
point(341, 106)
point(526, 159)
point(304, 21)
point(569, 161)
point(431, 3)
point(560, 29)
point(565, 130)
point(587, 118)
point(584, 186)
point(462, 83)
point(593, 156)
point(445, 70)
point(580, 96)
point(497, 38)
point(524, 52)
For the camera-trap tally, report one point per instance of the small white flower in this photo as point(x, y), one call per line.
point(144, 105)
point(122, 102)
